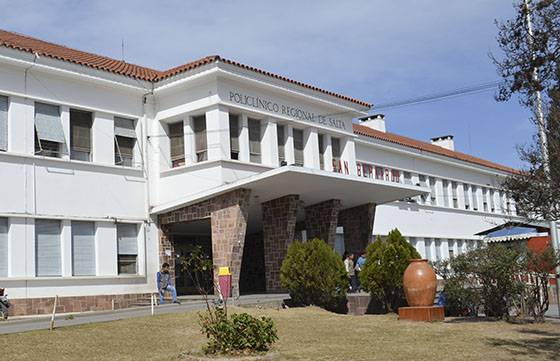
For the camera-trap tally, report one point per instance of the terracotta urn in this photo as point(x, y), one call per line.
point(419, 281)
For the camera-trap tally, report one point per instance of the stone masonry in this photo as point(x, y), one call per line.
point(228, 215)
point(279, 223)
point(321, 220)
point(358, 226)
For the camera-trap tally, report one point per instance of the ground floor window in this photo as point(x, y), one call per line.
point(127, 247)
point(83, 248)
point(47, 248)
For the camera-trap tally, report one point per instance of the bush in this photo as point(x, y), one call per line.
point(314, 274)
point(383, 272)
point(240, 333)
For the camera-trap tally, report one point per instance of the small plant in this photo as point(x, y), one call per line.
point(227, 334)
point(383, 272)
point(239, 333)
point(314, 274)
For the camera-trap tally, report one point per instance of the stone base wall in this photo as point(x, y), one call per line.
point(40, 306)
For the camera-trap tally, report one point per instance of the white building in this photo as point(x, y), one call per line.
point(109, 169)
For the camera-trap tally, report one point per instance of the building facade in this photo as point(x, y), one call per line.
point(110, 169)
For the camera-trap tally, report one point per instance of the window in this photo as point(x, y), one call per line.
point(201, 145)
point(454, 194)
point(177, 144)
point(3, 247)
point(3, 123)
point(450, 246)
point(49, 136)
point(234, 131)
point(47, 248)
point(474, 197)
point(422, 180)
point(491, 194)
point(395, 176)
point(379, 173)
point(254, 140)
point(428, 248)
point(281, 135)
point(298, 147)
point(438, 250)
point(445, 186)
point(83, 248)
point(407, 178)
point(485, 199)
point(80, 135)
point(466, 194)
point(335, 144)
point(433, 200)
point(125, 141)
point(127, 245)
point(321, 151)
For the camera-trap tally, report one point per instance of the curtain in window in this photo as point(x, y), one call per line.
point(177, 141)
point(298, 146)
point(48, 124)
point(127, 239)
point(83, 248)
point(234, 132)
point(125, 127)
point(47, 247)
point(3, 247)
point(3, 123)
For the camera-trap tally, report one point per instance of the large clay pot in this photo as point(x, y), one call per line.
point(419, 281)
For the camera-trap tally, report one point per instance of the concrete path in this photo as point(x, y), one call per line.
point(24, 324)
point(552, 312)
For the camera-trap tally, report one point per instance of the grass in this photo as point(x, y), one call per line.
point(305, 334)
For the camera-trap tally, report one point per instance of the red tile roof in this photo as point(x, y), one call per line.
point(28, 44)
point(427, 147)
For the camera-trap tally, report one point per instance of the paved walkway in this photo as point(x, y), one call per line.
point(552, 312)
point(24, 324)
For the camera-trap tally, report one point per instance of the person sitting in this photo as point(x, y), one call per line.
point(164, 284)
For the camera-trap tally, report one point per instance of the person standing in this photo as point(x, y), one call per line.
point(360, 263)
point(164, 284)
point(349, 266)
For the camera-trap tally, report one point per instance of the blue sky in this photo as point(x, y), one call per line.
point(375, 50)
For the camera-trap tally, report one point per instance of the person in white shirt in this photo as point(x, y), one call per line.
point(349, 266)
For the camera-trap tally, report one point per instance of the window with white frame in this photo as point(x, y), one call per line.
point(321, 138)
point(254, 140)
point(466, 193)
point(3, 123)
point(49, 135)
point(127, 247)
point(4, 247)
point(281, 135)
point(177, 144)
point(492, 203)
point(125, 141)
point(47, 248)
point(200, 138)
point(454, 195)
point(83, 248)
point(485, 199)
point(298, 146)
point(234, 132)
point(80, 135)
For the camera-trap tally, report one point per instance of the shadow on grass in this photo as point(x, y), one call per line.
point(546, 345)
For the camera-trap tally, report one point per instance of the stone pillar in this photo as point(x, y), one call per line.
point(229, 224)
point(279, 223)
point(358, 226)
point(166, 250)
point(321, 220)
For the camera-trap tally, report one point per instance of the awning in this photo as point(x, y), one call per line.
point(312, 186)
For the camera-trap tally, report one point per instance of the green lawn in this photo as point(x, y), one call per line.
point(305, 334)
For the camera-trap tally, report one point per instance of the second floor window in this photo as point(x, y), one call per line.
point(3, 123)
point(177, 144)
point(321, 151)
point(80, 135)
point(234, 131)
point(281, 135)
point(254, 140)
point(125, 141)
point(49, 136)
point(298, 147)
point(201, 147)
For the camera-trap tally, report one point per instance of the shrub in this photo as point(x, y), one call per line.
point(314, 274)
point(383, 272)
point(239, 333)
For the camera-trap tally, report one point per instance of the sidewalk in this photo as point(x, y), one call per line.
point(42, 322)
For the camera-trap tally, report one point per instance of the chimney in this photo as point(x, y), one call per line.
point(445, 141)
point(376, 121)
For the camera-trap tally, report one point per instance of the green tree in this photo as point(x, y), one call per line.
point(314, 274)
point(382, 274)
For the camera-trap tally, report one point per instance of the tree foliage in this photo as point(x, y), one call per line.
point(314, 274)
point(382, 274)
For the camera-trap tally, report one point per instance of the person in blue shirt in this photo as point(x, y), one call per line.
point(164, 284)
point(359, 266)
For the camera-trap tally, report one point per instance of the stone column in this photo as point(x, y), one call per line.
point(229, 224)
point(166, 250)
point(358, 226)
point(321, 220)
point(279, 223)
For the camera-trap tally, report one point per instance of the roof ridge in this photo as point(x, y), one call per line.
point(428, 147)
